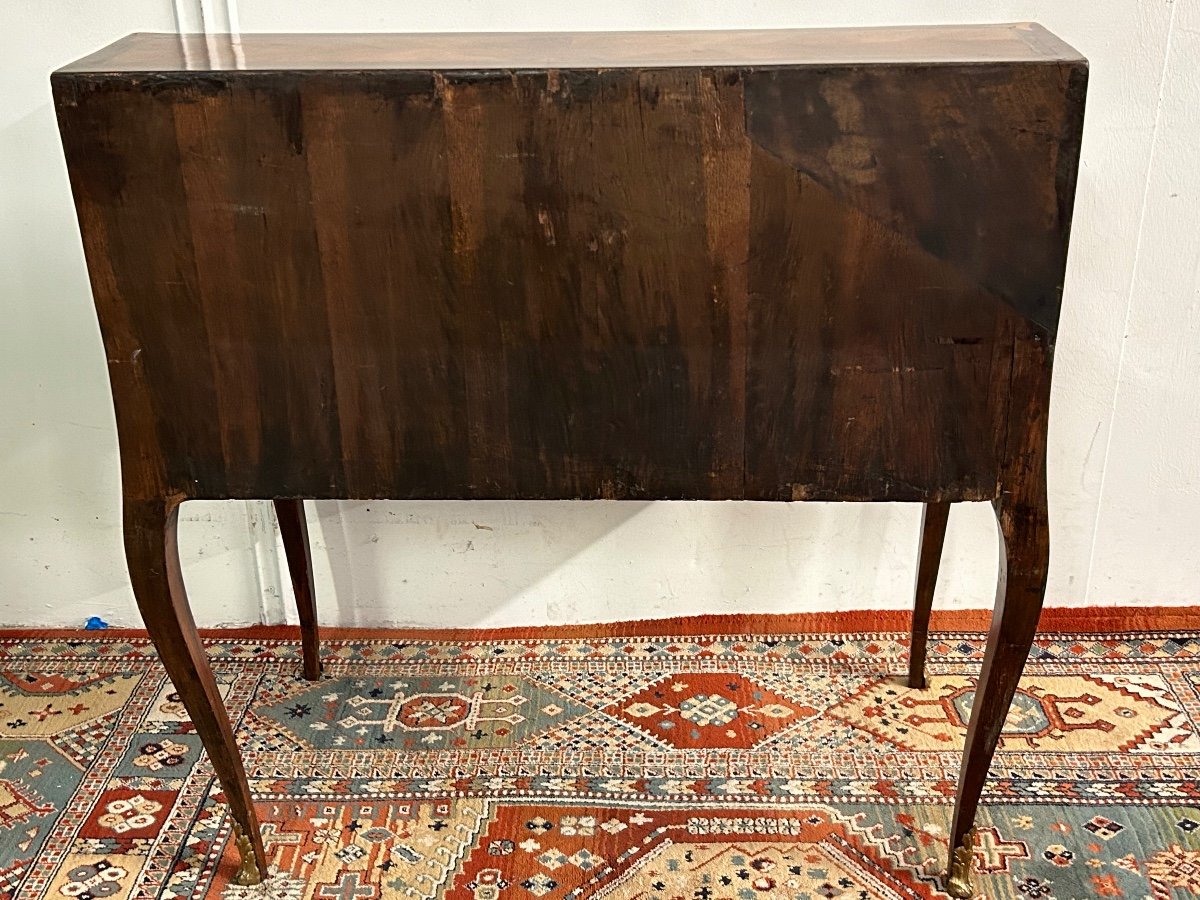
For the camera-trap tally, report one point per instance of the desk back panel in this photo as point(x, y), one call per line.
point(762, 282)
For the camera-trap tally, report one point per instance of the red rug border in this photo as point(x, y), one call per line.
point(1110, 620)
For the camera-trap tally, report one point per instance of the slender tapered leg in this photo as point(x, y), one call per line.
point(933, 535)
point(294, 528)
point(1024, 561)
point(152, 552)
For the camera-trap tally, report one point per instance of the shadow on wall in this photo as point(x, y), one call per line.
point(462, 564)
point(449, 563)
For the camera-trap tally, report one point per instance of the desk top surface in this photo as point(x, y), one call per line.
point(943, 44)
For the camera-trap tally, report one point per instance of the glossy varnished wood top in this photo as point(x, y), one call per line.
point(1023, 43)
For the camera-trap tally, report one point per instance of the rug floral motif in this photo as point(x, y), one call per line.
point(674, 767)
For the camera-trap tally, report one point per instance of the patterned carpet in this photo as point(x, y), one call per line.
point(587, 764)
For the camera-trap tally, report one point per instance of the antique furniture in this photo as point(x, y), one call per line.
point(767, 265)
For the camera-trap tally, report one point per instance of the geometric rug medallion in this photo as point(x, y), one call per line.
point(701, 761)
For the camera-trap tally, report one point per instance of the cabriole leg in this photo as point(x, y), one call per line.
point(1024, 561)
point(294, 529)
point(151, 549)
point(933, 535)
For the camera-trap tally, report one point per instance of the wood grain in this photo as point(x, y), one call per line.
point(663, 283)
point(152, 549)
point(1021, 42)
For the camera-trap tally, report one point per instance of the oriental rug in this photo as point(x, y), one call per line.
point(706, 759)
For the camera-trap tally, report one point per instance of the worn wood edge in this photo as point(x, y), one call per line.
point(143, 76)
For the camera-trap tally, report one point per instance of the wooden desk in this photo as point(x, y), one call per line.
point(770, 265)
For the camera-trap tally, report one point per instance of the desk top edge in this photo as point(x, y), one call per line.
point(148, 52)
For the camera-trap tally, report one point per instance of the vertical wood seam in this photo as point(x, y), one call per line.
point(260, 514)
point(220, 17)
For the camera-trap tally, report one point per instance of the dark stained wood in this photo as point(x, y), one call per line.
point(933, 534)
point(742, 265)
point(293, 527)
point(531, 286)
point(1021, 510)
point(949, 202)
point(152, 550)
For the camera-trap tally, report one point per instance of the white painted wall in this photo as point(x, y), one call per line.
point(1125, 428)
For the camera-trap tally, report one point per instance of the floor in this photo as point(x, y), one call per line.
point(703, 759)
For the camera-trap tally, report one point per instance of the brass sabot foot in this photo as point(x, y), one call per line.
point(958, 876)
point(248, 872)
